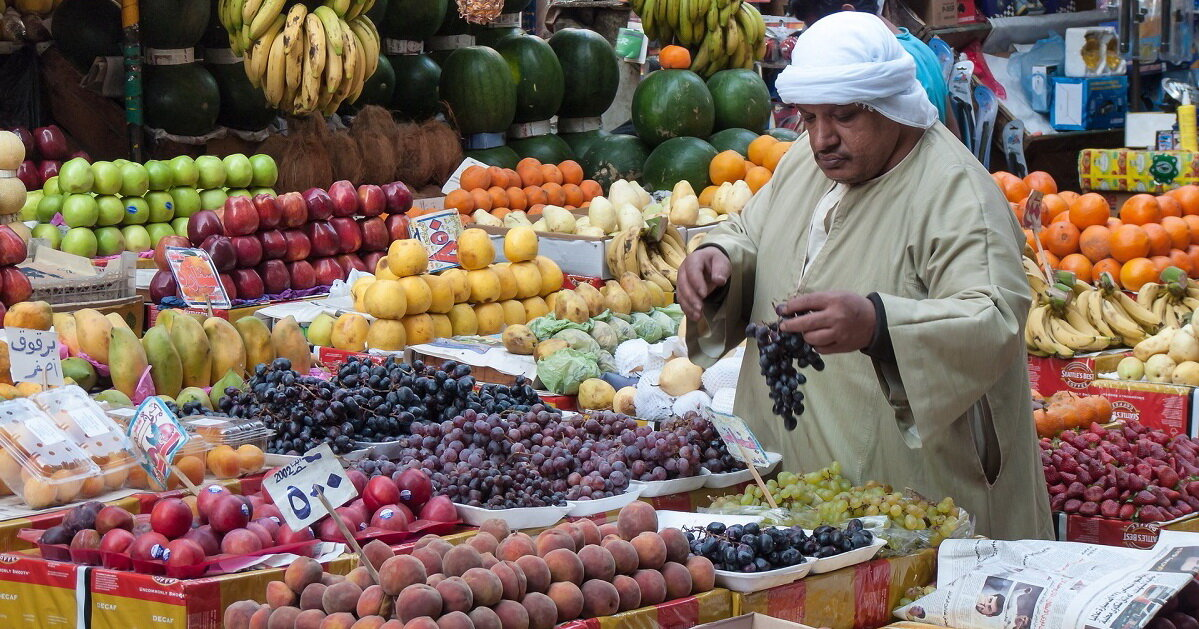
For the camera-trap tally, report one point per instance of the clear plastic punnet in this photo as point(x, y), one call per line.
point(230, 431)
point(41, 463)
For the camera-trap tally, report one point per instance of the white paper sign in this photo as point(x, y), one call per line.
point(293, 487)
point(33, 355)
point(455, 180)
point(739, 439)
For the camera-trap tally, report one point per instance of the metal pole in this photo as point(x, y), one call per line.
point(131, 25)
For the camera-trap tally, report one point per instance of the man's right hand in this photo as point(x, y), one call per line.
point(704, 271)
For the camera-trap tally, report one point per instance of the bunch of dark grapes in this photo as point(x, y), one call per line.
point(780, 357)
point(751, 548)
point(698, 431)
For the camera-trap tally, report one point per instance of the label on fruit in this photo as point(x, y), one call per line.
point(529, 129)
point(7, 174)
point(197, 277)
point(158, 434)
point(451, 42)
point(221, 56)
point(403, 46)
point(505, 20)
point(455, 180)
point(170, 56)
point(482, 141)
point(33, 356)
point(46, 431)
point(740, 440)
point(579, 125)
point(439, 233)
point(294, 487)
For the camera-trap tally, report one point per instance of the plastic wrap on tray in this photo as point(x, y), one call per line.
point(231, 431)
point(90, 428)
point(40, 463)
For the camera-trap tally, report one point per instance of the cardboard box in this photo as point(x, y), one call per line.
point(1167, 407)
point(578, 256)
point(682, 613)
point(1127, 170)
point(40, 593)
point(1112, 532)
point(1084, 104)
point(1048, 375)
point(858, 596)
point(753, 621)
point(120, 600)
point(941, 13)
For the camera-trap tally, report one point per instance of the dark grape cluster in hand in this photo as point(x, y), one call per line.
point(752, 548)
point(780, 357)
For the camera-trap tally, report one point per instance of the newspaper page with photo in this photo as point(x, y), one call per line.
point(988, 584)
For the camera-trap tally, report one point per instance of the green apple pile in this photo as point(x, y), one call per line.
point(110, 207)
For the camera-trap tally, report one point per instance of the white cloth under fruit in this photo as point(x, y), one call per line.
point(849, 58)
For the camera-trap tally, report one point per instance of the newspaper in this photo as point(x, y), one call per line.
point(987, 584)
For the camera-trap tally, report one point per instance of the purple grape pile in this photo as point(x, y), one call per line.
point(697, 429)
point(780, 357)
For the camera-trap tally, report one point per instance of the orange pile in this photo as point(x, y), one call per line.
point(1150, 234)
point(764, 155)
point(530, 187)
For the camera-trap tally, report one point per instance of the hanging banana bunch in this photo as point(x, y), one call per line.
point(304, 61)
point(720, 34)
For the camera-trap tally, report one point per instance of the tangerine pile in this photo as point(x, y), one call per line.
point(764, 154)
point(530, 187)
point(1079, 233)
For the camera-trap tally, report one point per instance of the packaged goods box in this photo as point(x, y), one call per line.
point(753, 621)
point(1167, 407)
point(40, 593)
point(1112, 532)
point(1048, 375)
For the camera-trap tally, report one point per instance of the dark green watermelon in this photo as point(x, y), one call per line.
point(549, 148)
point(243, 106)
point(741, 100)
point(582, 141)
point(415, 96)
point(591, 72)
point(173, 23)
point(536, 75)
point(501, 156)
point(615, 157)
point(181, 100)
point(733, 140)
point(670, 104)
point(378, 12)
point(477, 88)
point(679, 159)
point(493, 36)
point(86, 29)
point(415, 20)
point(380, 87)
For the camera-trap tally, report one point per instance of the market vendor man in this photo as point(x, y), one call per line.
point(895, 255)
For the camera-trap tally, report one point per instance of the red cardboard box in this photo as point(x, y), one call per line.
point(1050, 375)
point(38, 593)
point(1167, 407)
point(1112, 532)
point(682, 613)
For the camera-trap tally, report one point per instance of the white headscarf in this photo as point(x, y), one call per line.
point(849, 58)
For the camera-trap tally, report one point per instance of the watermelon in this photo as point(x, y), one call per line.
point(181, 100)
point(501, 156)
point(549, 148)
point(243, 106)
point(380, 87)
point(615, 157)
point(478, 90)
point(415, 20)
point(784, 135)
point(86, 29)
point(378, 12)
point(741, 100)
point(536, 75)
point(733, 140)
point(670, 104)
point(591, 73)
point(416, 79)
point(679, 159)
point(582, 141)
point(492, 37)
point(173, 23)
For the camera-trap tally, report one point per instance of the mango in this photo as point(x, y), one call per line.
point(6, 364)
point(64, 325)
point(166, 368)
point(320, 331)
point(113, 397)
point(126, 360)
point(31, 315)
point(228, 350)
point(93, 331)
point(193, 394)
point(81, 371)
point(349, 332)
point(116, 320)
point(230, 379)
point(195, 353)
point(289, 342)
point(257, 340)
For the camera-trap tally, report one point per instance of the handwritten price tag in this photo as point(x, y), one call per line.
point(197, 278)
point(739, 439)
point(294, 487)
point(158, 433)
point(33, 355)
point(439, 233)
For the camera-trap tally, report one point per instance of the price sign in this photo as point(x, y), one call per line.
point(197, 278)
point(156, 430)
point(439, 233)
point(33, 356)
point(295, 487)
point(739, 439)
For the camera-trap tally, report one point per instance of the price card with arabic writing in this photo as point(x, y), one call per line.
point(33, 356)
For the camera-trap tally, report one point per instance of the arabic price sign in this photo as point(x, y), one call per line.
point(438, 231)
point(293, 487)
point(33, 356)
point(197, 277)
point(737, 435)
point(158, 433)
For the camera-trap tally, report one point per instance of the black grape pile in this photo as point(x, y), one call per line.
point(538, 458)
point(751, 548)
point(780, 357)
point(696, 429)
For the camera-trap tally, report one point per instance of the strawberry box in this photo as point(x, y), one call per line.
point(1048, 375)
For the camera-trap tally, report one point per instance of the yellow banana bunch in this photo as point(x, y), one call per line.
point(304, 60)
point(720, 34)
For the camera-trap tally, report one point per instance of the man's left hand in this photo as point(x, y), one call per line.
point(833, 322)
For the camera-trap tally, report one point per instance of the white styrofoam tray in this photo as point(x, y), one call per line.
point(521, 518)
point(856, 556)
point(675, 485)
point(728, 479)
point(583, 508)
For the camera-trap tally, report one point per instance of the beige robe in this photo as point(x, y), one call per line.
point(938, 242)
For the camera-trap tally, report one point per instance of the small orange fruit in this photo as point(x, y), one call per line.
point(551, 173)
point(460, 200)
point(516, 198)
point(535, 195)
point(709, 193)
point(1060, 238)
point(759, 147)
point(1041, 180)
point(499, 198)
point(757, 177)
point(1159, 240)
point(1089, 209)
point(775, 154)
point(1140, 210)
point(573, 194)
point(1128, 242)
point(1169, 206)
point(482, 199)
point(499, 177)
point(1179, 232)
point(1107, 265)
point(591, 189)
point(553, 193)
point(1095, 242)
point(475, 178)
point(530, 175)
point(571, 172)
point(528, 162)
point(727, 166)
point(1079, 264)
point(1137, 272)
point(674, 57)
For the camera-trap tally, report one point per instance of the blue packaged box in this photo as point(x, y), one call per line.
point(1084, 104)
